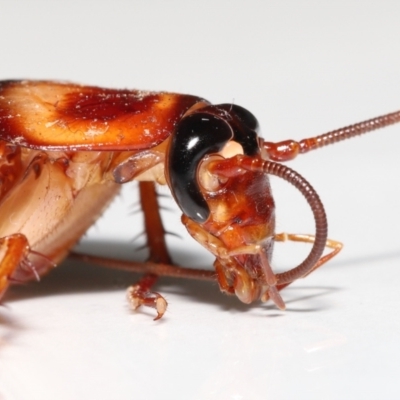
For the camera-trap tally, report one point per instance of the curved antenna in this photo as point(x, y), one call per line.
point(321, 224)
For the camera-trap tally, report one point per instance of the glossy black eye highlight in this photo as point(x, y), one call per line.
point(196, 136)
point(244, 125)
point(201, 133)
point(244, 116)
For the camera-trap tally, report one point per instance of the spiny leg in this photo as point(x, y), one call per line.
point(140, 293)
point(154, 229)
point(19, 263)
point(159, 262)
point(152, 269)
point(295, 237)
point(15, 266)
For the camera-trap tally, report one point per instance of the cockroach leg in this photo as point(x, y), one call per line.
point(14, 249)
point(154, 229)
point(159, 262)
point(304, 238)
point(140, 295)
point(173, 271)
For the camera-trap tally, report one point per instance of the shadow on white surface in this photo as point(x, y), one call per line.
point(77, 319)
point(74, 277)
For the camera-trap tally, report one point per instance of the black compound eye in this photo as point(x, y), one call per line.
point(244, 116)
point(244, 125)
point(196, 136)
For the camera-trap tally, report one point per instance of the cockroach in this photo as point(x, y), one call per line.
point(66, 148)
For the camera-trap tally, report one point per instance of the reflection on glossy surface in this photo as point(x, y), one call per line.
point(222, 348)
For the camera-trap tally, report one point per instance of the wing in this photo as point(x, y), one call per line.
point(62, 116)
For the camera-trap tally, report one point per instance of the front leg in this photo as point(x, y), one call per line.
point(14, 250)
point(159, 262)
point(140, 293)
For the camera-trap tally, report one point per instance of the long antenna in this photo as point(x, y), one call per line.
point(289, 149)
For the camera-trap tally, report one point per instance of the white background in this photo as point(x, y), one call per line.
point(302, 68)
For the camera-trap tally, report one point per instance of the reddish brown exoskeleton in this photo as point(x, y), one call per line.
point(65, 150)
